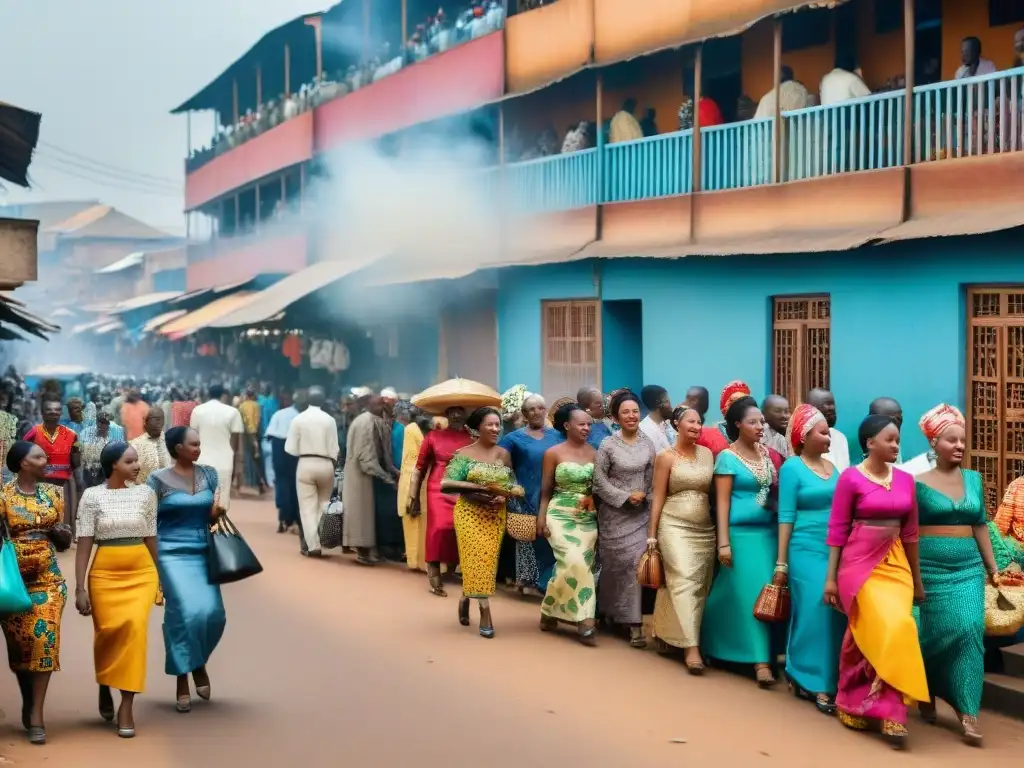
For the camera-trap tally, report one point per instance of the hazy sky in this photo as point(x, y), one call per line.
point(105, 74)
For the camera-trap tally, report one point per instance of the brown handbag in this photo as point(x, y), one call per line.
point(650, 571)
point(520, 526)
point(772, 604)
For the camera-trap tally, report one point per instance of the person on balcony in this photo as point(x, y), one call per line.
point(971, 63)
point(843, 83)
point(1018, 48)
point(578, 137)
point(624, 125)
point(792, 95)
point(710, 114)
point(649, 125)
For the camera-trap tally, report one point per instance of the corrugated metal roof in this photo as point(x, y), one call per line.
point(131, 260)
point(207, 315)
point(144, 301)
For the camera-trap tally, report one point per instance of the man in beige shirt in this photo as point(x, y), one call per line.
point(313, 438)
point(150, 445)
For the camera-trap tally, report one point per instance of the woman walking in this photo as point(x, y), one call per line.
point(874, 577)
point(120, 588)
point(568, 521)
point(33, 513)
point(683, 531)
point(481, 475)
point(437, 450)
point(188, 500)
point(748, 540)
point(414, 524)
point(535, 562)
point(956, 555)
point(807, 482)
point(623, 471)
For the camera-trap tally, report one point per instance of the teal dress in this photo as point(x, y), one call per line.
point(951, 620)
point(730, 632)
point(815, 630)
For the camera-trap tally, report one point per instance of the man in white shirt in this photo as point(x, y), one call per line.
point(843, 84)
point(971, 63)
point(656, 425)
point(793, 95)
point(313, 438)
point(775, 409)
point(220, 431)
point(839, 452)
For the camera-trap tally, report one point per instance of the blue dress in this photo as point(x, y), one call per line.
point(598, 432)
point(730, 632)
point(194, 615)
point(535, 562)
point(815, 630)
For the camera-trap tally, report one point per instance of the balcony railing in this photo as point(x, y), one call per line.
point(976, 116)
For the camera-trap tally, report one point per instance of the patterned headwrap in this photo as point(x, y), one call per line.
point(803, 420)
point(939, 419)
point(512, 401)
point(733, 391)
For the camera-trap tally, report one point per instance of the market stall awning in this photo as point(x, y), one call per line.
point(206, 316)
point(14, 313)
point(277, 298)
point(146, 300)
point(161, 320)
point(90, 326)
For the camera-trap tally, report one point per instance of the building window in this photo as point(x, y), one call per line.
point(801, 349)
point(572, 347)
point(995, 387)
point(1001, 12)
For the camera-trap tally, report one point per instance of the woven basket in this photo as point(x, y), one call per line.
point(1004, 610)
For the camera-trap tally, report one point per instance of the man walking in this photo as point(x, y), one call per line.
point(285, 465)
point(220, 430)
point(313, 439)
point(362, 466)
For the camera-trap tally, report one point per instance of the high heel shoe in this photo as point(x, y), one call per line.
point(36, 734)
point(184, 704)
point(588, 636)
point(486, 630)
point(972, 734)
point(464, 611)
point(106, 705)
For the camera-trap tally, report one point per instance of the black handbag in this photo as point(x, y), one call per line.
point(229, 558)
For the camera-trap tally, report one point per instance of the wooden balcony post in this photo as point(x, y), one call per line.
point(287, 70)
point(318, 36)
point(234, 99)
point(777, 124)
point(405, 25)
point(600, 138)
point(698, 160)
point(909, 53)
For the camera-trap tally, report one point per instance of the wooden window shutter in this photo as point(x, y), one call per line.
point(571, 359)
point(801, 345)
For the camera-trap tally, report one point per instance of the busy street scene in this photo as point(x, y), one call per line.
point(512, 382)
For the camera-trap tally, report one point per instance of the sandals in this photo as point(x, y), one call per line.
point(547, 623)
point(436, 587)
point(464, 611)
point(486, 631)
point(636, 638)
point(972, 734)
point(765, 678)
point(184, 704)
point(36, 734)
point(822, 701)
point(587, 636)
point(895, 734)
point(927, 711)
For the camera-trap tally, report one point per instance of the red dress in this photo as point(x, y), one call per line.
point(437, 450)
point(58, 451)
point(712, 439)
point(181, 413)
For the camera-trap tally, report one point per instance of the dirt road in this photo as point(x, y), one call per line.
point(326, 663)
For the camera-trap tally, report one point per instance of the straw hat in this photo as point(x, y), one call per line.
point(456, 393)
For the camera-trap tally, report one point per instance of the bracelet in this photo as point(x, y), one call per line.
point(652, 541)
point(781, 568)
point(724, 546)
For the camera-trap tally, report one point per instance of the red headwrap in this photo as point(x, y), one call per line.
point(733, 391)
point(800, 423)
point(940, 418)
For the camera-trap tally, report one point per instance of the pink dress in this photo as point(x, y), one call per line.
point(437, 450)
point(880, 665)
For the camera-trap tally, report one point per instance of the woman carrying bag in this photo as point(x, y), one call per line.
point(32, 515)
point(120, 588)
point(188, 501)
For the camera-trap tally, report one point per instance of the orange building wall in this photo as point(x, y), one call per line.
point(881, 57)
point(964, 18)
point(654, 81)
point(809, 64)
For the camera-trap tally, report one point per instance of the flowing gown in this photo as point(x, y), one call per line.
point(619, 470)
point(573, 524)
point(194, 616)
point(730, 632)
point(535, 562)
point(951, 620)
point(815, 629)
point(437, 450)
point(686, 540)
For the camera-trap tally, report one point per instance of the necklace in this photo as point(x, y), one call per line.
point(684, 456)
point(761, 469)
point(885, 482)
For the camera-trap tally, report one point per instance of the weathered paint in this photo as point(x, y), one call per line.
point(898, 318)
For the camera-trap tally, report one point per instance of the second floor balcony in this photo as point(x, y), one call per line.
point(969, 117)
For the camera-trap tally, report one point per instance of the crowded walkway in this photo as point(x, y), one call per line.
point(380, 674)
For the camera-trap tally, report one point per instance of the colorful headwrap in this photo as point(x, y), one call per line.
point(513, 399)
point(939, 419)
point(733, 391)
point(803, 420)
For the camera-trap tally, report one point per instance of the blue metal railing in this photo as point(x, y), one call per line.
point(736, 155)
point(658, 166)
point(553, 183)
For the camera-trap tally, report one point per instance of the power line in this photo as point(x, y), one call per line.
point(110, 184)
point(105, 165)
point(107, 175)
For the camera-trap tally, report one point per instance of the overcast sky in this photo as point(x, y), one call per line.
point(105, 74)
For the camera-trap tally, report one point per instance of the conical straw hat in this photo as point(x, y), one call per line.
point(456, 393)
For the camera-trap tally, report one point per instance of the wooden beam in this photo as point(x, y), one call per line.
point(698, 158)
point(909, 53)
point(599, 143)
point(777, 124)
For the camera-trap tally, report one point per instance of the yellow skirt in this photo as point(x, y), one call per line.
point(122, 588)
point(479, 531)
point(415, 531)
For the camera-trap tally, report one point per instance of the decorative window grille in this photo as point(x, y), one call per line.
point(572, 347)
point(801, 345)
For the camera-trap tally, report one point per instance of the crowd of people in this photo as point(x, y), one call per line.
point(885, 560)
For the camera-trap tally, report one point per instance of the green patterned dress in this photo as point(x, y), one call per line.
point(951, 621)
point(572, 520)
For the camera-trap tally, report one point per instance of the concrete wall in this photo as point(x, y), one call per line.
point(898, 318)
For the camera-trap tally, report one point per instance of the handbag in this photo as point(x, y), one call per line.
point(1004, 610)
point(772, 605)
point(229, 558)
point(330, 527)
point(13, 595)
point(650, 571)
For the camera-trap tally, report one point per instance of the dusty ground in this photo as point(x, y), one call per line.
point(326, 663)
